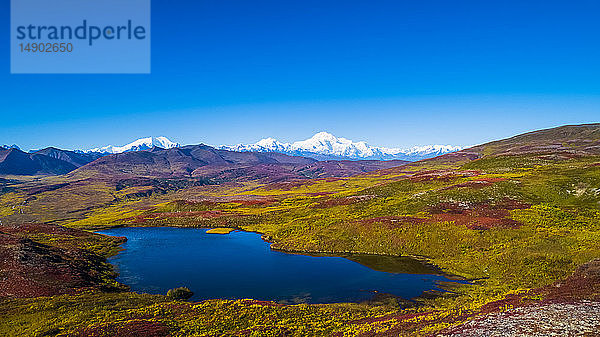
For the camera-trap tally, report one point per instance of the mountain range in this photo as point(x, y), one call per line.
point(322, 155)
point(325, 146)
point(192, 161)
point(321, 147)
point(48, 161)
point(206, 162)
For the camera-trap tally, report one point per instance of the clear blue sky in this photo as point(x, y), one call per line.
point(392, 73)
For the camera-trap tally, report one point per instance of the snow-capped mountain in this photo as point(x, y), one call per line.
point(138, 145)
point(321, 146)
point(7, 147)
point(325, 146)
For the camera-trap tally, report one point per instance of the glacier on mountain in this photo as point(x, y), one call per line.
point(321, 146)
point(325, 146)
point(138, 145)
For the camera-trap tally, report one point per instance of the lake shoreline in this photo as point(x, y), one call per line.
point(438, 289)
point(314, 252)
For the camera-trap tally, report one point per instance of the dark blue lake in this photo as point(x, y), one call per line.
point(242, 265)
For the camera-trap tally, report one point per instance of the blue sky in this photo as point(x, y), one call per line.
point(392, 73)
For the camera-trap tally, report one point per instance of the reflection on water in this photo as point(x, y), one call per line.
point(394, 264)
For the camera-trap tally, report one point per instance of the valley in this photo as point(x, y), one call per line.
point(518, 218)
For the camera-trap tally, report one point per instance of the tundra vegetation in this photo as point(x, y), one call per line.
point(521, 222)
point(181, 293)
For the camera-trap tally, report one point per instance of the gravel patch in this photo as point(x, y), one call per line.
point(541, 320)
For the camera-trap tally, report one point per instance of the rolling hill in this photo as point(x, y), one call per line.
point(202, 161)
point(579, 140)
